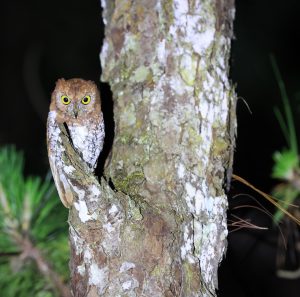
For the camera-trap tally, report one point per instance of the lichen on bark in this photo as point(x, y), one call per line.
point(162, 230)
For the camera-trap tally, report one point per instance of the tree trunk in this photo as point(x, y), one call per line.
point(159, 227)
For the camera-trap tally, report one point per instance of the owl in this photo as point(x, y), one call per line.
point(75, 103)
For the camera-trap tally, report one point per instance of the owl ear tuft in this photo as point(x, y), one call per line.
point(60, 81)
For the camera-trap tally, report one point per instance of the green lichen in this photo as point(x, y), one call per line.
point(156, 272)
point(125, 72)
point(194, 136)
point(188, 69)
point(168, 13)
point(219, 146)
point(134, 211)
point(131, 44)
point(220, 143)
point(208, 8)
point(129, 184)
point(128, 116)
point(157, 71)
point(189, 275)
point(144, 139)
point(141, 74)
point(153, 169)
point(155, 118)
point(136, 214)
point(126, 138)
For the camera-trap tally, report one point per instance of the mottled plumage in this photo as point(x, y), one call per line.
point(75, 103)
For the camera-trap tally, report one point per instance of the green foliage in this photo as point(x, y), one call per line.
point(286, 194)
point(286, 162)
point(24, 282)
point(29, 208)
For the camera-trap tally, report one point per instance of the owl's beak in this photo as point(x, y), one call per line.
point(75, 111)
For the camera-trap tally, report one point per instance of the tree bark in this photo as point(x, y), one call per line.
point(161, 229)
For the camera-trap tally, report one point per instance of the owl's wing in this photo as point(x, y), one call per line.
point(56, 160)
point(62, 185)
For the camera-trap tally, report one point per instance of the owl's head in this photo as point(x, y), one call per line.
point(75, 99)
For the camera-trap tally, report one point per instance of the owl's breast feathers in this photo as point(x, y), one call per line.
point(87, 138)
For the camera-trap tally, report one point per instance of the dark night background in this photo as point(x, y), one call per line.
point(42, 41)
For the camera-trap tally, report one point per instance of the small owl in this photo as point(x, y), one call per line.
point(75, 103)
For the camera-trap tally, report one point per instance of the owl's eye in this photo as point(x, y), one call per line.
point(86, 99)
point(65, 100)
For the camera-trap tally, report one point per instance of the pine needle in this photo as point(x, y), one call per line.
point(267, 196)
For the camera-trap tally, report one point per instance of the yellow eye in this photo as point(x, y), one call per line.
point(86, 100)
point(65, 99)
